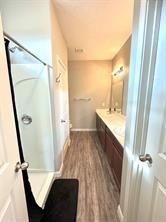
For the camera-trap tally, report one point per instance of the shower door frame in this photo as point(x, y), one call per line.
point(51, 96)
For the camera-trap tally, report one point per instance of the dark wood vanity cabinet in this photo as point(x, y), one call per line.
point(112, 148)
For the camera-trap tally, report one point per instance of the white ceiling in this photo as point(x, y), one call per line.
point(99, 27)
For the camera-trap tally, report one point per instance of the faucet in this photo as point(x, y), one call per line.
point(109, 110)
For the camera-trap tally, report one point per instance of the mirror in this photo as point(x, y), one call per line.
point(117, 96)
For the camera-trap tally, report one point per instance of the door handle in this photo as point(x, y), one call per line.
point(26, 119)
point(63, 121)
point(58, 78)
point(146, 157)
point(21, 166)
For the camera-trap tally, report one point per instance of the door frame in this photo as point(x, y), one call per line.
point(64, 67)
point(142, 61)
point(57, 81)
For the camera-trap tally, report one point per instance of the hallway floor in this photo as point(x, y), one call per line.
point(98, 195)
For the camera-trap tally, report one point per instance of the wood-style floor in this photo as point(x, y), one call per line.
point(98, 195)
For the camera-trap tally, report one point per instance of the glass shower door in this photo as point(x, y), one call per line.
point(32, 98)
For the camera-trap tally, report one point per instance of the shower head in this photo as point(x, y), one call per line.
point(13, 49)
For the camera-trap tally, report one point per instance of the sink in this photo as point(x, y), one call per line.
point(120, 131)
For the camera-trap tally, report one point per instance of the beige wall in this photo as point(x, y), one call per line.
point(88, 79)
point(93, 79)
point(122, 58)
point(59, 51)
point(123, 55)
point(59, 47)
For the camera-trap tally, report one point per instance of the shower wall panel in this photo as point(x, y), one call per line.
point(33, 100)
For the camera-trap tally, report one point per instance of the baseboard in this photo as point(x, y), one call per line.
point(83, 129)
point(67, 144)
point(58, 173)
point(120, 215)
point(43, 194)
point(33, 170)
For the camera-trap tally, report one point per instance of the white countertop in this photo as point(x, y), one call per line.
point(115, 122)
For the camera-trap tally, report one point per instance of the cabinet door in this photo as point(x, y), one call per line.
point(109, 149)
point(117, 166)
point(98, 125)
point(102, 139)
point(100, 131)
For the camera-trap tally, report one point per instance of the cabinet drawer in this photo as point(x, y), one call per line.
point(98, 125)
point(102, 124)
point(97, 121)
point(102, 137)
point(108, 131)
point(117, 145)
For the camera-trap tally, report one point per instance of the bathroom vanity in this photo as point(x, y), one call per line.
point(111, 133)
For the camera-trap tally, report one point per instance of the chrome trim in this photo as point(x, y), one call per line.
point(21, 166)
point(26, 119)
point(25, 49)
point(146, 157)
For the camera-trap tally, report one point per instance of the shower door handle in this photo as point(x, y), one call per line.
point(21, 166)
point(26, 119)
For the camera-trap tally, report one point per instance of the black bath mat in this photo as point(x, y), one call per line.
point(61, 204)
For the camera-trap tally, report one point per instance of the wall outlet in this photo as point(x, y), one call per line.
point(103, 104)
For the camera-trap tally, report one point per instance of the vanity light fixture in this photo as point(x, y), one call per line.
point(117, 72)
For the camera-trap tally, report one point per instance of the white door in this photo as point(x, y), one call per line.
point(12, 198)
point(63, 103)
point(152, 201)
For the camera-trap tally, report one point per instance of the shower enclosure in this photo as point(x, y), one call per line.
point(33, 94)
